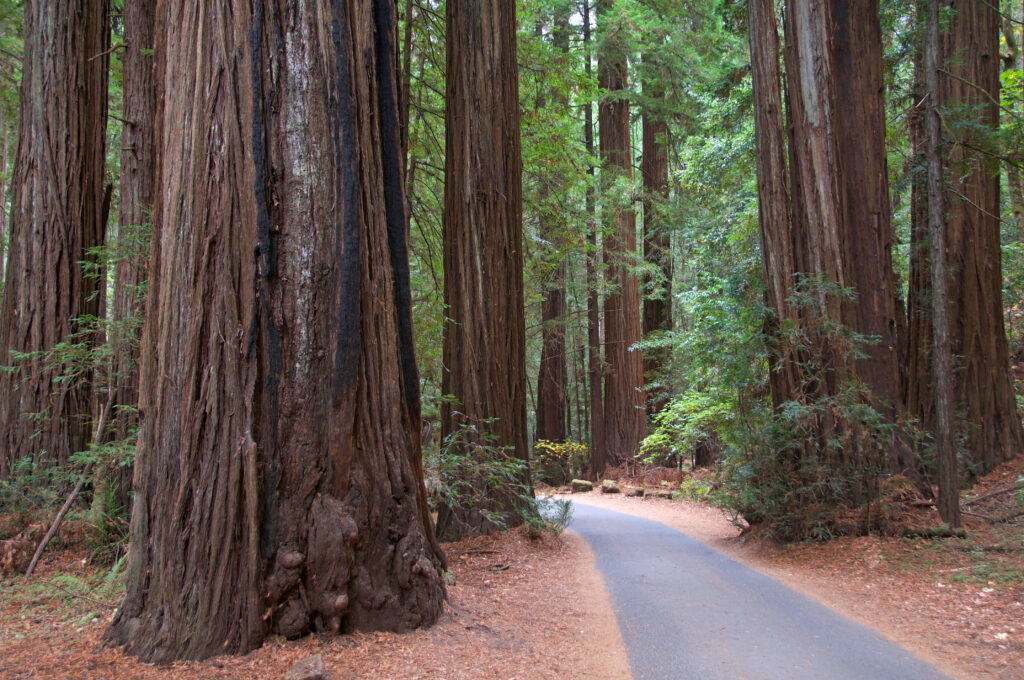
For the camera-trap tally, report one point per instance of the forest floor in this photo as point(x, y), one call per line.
point(521, 608)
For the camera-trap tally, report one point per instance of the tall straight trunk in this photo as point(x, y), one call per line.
point(56, 217)
point(484, 333)
point(917, 376)
point(865, 204)
point(595, 362)
point(778, 249)
point(657, 305)
point(840, 199)
point(942, 357)
point(138, 179)
point(279, 485)
point(552, 411)
point(625, 418)
point(969, 85)
point(552, 377)
point(3, 204)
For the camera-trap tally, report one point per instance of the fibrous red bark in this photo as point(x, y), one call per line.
point(552, 377)
point(842, 233)
point(969, 87)
point(56, 217)
point(278, 476)
point(657, 305)
point(484, 333)
point(138, 177)
point(625, 415)
point(778, 250)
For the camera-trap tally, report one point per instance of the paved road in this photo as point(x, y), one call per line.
point(686, 611)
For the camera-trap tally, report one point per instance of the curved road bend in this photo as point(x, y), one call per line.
point(686, 611)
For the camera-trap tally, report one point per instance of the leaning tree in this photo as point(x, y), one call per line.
point(278, 478)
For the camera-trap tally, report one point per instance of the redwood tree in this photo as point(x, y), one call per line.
point(625, 416)
point(595, 362)
point(56, 217)
point(778, 249)
point(840, 195)
point(484, 333)
point(827, 234)
point(942, 373)
point(552, 376)
point(138, 175)
point(278, 478)
point(657, 305)
point(982, 391)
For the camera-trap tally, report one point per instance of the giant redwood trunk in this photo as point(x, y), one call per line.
point(278, 477)
point(625, 415)
point(778, 248)
point(3, 205)
point(840, 186)
point(484, 333)
point(842, 233)
point(866, 236)
point(56, 216)
point(968, 90)
point(828, 231)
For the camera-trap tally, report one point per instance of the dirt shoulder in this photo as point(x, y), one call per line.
point(903, 588)
point(518, 609)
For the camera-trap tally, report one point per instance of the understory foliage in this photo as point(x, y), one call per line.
point(102, 349)
point(470, 468)
point(557, 463)
point(824, 451)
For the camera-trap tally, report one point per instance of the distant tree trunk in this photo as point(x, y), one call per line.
point(138, 178)
point(595, 361)
point(625, 417)
point(484, 335)
point(552, 395)
point(56, 216)
point(969, 84)
point(942, 363)
point(917, 376)
point(279, 484)
point(552, 376)
point(3, 206)
point(657, 314)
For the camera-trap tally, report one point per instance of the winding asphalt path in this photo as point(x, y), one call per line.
point(686, 611)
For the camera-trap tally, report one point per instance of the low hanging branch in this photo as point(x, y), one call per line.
point(100, 427)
